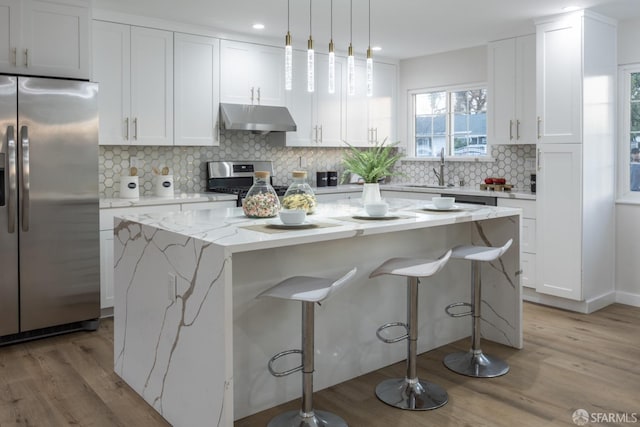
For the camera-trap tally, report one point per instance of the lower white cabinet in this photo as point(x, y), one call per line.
point(527, 239)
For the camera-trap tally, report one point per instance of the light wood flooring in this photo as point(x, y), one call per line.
point(570, 361)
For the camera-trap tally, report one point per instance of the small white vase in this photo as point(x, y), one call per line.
point(371, 193)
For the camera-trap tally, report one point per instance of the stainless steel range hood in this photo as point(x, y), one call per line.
point(256, 118)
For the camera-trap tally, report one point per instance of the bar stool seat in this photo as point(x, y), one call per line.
point(308, 290)
point(410, 392)
point(475, 363)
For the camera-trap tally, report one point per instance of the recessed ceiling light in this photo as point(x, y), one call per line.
point(571, 8)
point(376, 48)
point(258, 26)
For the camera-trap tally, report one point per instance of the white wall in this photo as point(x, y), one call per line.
point(628, 216)
point(432, 71)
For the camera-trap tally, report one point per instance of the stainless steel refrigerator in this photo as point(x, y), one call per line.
point(49, 238)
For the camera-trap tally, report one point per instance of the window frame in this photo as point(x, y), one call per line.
point(411, 131)
point(624, 129)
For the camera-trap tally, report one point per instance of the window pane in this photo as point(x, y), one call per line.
point(634, 132)
point(635, 86)
point(469, 124)
point(430, 125)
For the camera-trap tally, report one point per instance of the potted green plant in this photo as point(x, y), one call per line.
point(372, 164)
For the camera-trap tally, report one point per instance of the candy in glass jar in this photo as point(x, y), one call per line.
point(261, 200)
point(299, 195)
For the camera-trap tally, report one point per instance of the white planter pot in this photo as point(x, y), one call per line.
point(371, 193)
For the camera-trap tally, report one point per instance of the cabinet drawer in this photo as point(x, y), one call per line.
point(528, 206)
point(528, 266)
point(106, 215)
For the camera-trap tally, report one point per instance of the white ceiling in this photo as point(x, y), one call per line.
point(403, 28)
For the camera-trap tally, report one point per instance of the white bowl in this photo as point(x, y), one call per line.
point(293, 216)
point(376, 208)
point(443, 202)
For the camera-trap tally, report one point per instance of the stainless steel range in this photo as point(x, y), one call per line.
point(236, 177)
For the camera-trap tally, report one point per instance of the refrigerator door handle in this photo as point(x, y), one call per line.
point(13, 186)
point(26, 186)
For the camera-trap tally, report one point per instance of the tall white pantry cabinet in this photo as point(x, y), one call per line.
point(576, 86)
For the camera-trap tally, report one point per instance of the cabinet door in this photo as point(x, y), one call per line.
point(559, 220)
point(501, 115)
point(106, 268)
point(381, 105)
point(112, 70)
point(559, 85)
point(151, 86)
point(525, 113)
point(197, 94)
point(299, 102)
point(328, 107)
point(267, 75)
point(235, 64)
point(55, 39)
point(358, 131)
point(10, 16)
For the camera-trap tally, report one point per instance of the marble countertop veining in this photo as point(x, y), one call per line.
point(226, 227)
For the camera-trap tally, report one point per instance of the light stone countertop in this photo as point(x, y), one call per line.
point(106, 203)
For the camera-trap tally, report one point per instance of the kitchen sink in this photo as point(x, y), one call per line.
point(427, 186)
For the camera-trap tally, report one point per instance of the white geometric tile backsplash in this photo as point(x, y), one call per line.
point(188, 164)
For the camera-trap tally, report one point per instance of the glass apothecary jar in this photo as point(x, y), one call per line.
point(261, 200)
point(299, 195)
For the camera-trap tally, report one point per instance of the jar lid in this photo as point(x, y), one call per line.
point(299, 174)
point(262, 174)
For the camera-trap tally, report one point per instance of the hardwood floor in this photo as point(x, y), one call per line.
point(570, 361)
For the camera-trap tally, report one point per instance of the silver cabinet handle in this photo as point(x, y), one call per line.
point(376, 139)
point(14, 53)
point(321, 139)
point(258, 96)
point(135, 128)
point(510, 130)
point(216, 131)
point(26, 58)
point(252, 92)
point(539, 120)
point(538, 159)
point(517, 130)
point(126, 128)
point(13, 186)
point(315, 134)
point(26, 185)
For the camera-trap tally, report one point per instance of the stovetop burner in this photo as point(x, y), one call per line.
point(236, 177)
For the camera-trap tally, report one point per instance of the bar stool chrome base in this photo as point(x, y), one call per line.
point(476, 364)
point(314, 419)
point(415, 395)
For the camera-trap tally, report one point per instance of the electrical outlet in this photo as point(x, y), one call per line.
point(530, 164)
point(133, 161)
point(172, 283)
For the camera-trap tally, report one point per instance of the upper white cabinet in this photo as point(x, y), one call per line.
point(251, 74)
point(512, 93)
point(197, 90)
point(575, 177)
point(370, 119)
point(319, 115)
point(45, 38)
point(134, 67)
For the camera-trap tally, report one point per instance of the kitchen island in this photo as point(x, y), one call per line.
point(192, 339)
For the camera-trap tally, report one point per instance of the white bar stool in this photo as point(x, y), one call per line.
point(309, 290)
point(410, 392)
point(474, 363)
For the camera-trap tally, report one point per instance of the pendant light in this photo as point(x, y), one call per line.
point(369, 60)
point(288, 55)
point(310, 57)
point(332, 58)
point(351, 63)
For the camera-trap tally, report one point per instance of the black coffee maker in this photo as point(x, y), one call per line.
point(533, 182)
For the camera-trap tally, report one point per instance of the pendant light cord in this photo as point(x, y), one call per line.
point(351, 23)
point(331, 20)
point(310, 8)
point(369, 23)
point(288, 14)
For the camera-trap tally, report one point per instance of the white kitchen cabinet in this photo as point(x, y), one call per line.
point(106, 268)
point(527, 238)
point(134, 67)
point(370, 119)
point(575, 178)
point(45, 38)
point(197, 90)
point(319, 116)
point(251, 74)
point(512, 96)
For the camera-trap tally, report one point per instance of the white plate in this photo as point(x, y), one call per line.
point(373, 218)
point(279, 224)
point(432, 207)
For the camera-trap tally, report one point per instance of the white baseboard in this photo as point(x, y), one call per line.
point(589, 306)
point(628, 298)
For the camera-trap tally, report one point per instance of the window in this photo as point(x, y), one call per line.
point(453, 119)
point(630, 130)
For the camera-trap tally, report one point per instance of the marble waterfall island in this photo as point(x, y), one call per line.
point(192, 339)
